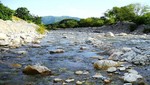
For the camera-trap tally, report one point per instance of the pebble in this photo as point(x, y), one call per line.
point(111, 69)
point(79, 72)
point(69, 80)
point(97, 75)
point(79, 83)
point(122, 68)
point(57, 80)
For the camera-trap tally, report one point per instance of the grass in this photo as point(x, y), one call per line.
point(16, 18)
point(41, 29)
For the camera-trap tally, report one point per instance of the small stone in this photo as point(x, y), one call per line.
point(107, 81)
point(36, 46)
point(57, 80)
point(79, 72)
point(79, 83)
point(21, 52)
point(111, 69)
point(83, 48)
point(122, 68)
point(85, 72)
point(57, 51)
point(64, 83)
point(97, 75)
point(69, 80)
point(16, 65)
point(127, 84)
point(97, 57)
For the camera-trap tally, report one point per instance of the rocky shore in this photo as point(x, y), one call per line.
point(17, 33)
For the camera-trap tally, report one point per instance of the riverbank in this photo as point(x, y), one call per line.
point(18, 32)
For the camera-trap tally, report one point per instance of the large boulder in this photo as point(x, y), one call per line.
point(36, 69)
point(104, 64)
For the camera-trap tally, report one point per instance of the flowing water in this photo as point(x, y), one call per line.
point(63, 65)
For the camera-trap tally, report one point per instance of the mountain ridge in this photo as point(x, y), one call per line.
point(53, 19)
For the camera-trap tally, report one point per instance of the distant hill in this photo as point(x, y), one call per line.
point(52, 19)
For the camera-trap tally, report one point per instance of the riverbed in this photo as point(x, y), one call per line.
point(80, 50)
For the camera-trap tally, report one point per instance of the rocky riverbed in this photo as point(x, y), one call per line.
point(78, 58)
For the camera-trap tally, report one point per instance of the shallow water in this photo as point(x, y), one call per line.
point(63, 65)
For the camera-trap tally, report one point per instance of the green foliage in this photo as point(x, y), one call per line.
point(41, 29)
point(91, 22)
point(68, 23)
point(5, 12)
point(24, 14)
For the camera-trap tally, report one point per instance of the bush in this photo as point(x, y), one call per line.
point(5, 12)
point(146, 30)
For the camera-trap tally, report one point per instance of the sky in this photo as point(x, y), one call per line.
point(75, 8)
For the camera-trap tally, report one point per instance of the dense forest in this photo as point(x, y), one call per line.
point(137, 13)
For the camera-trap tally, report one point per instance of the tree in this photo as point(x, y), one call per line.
point(5, 12)
point(23, 13)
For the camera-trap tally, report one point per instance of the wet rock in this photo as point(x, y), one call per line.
point(126, 49)
point(36, 69)
point(57, 80)
point(127, 84)
point(97, 57)
point(123, 34)
point(122, 68)
point(69, 80)
point(132, 71)
point(86, 72)
point(90, 40)
point(36, 46)
point(16, 65)
point(115, 55)
point(57, 51)
point(107, 81)
point(109, 34)
point(97, 75)
point(79, 83)
point(111, 69)
point(79, 72)
point(83, 48)
point(104, 64)
point(130, 77)
point(21, 52)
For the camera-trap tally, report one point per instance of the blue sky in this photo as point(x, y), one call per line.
point(76, 8)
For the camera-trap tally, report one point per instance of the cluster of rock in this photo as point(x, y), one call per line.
point(133, 55)
point(130, 75)
point(17, 33)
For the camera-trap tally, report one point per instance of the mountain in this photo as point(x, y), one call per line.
point(52, 19)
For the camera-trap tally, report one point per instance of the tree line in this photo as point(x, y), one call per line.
point(137, 13)
point(21, 12)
